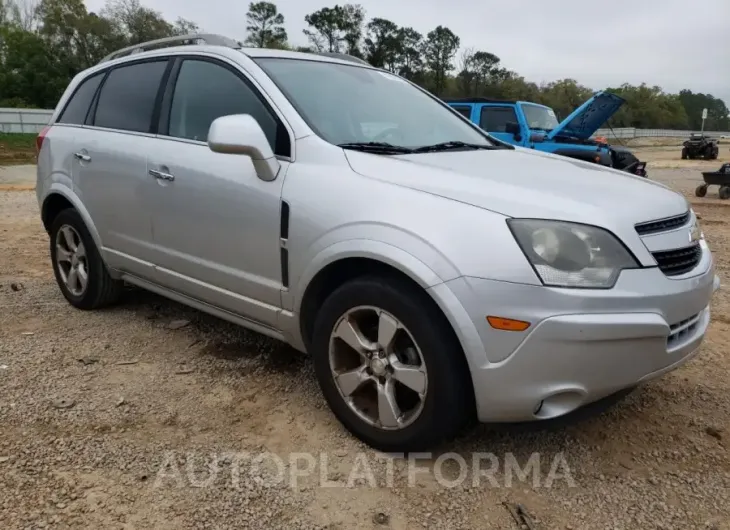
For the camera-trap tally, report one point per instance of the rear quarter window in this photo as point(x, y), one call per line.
point(78, 105)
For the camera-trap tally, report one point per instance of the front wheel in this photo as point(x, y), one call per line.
point(724, 192)
point(701, 190)
point(684, 154)
point(389, 365)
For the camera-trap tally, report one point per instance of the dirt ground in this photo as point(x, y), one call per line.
point(137, 417)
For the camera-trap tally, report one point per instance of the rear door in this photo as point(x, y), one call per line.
point(216, 223)
point(111, 174)
point(494, 120)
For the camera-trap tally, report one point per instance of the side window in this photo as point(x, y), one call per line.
point(464, 111)
point(205, 91)
point(78, 105)
point(127, 98)
point(495, 119)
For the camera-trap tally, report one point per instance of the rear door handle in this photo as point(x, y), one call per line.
point(82, 157)
point(161, 175)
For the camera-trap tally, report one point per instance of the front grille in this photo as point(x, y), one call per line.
point(678, 261)
point(682, 330)
point(662, 225)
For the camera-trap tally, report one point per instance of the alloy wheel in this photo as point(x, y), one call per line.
point(71, 260)
point(378, 368)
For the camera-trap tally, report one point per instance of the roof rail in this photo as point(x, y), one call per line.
point(344, 57)
point(192, 38)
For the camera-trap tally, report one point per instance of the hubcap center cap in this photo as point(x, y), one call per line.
point(378, 366)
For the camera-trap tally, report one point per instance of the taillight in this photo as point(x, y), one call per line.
point(39, 139)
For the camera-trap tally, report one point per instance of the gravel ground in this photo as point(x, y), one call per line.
point(141, 416)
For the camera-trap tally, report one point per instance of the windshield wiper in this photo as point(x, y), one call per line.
point(454, 144)
point(376, 147)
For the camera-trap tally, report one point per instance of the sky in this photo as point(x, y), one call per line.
point(675, 44)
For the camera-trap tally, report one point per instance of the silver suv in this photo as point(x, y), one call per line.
point(433, 273)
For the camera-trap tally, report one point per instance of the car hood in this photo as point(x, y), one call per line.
point(527, 183)
point(586, 119)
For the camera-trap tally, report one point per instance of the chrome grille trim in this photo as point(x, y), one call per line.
point(662, 225)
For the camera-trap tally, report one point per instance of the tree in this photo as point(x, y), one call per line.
point(265, 26)
point(717, 111)
point(382, 44)
point(352, 20)
point(477, 71)
point(409, 61)
point(136, 22)
point(439, 50)
point(564, 96)
point(183, 26)
point(333, 26)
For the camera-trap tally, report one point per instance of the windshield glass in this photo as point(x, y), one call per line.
point(348, 104)
point(540, 118)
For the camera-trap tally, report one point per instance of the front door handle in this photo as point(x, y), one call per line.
point(161, 175)
point(83, 157)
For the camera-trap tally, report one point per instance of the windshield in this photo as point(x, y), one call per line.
point(539, 117)
point(347, 104)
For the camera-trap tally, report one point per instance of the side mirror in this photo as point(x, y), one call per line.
point(241, 134)
point(513, 129)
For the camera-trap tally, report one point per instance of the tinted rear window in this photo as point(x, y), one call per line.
point(78, 105)
point(127, 98)
point(464, 111)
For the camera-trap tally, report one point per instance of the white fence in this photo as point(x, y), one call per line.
point(23, 120)
point(631, 132)
point(33, 120)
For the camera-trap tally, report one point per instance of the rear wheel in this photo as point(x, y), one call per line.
point(390, 366)
point(77, 265)
point(701, 190)
point(685, 155)
point(724, 192)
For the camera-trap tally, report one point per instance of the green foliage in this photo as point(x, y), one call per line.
point(438, 53)
point(17, 141)
point(17, 148)
point(44, 43)
point(718, 115)
point(336, 29)
point(265, 26)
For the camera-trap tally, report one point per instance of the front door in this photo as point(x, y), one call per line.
point(216, 224)
point(494, 120)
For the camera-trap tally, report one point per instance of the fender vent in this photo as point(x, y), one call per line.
point(283, 241)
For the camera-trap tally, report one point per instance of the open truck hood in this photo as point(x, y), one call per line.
point(588, 118)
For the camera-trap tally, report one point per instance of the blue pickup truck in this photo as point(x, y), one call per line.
point(536, 126)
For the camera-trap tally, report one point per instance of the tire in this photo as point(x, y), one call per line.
point(448, 404)
point(724, 192)
point(701, 190)
point(100, 289)
point(684, 154)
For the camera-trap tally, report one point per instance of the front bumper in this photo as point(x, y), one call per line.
point(582, 345)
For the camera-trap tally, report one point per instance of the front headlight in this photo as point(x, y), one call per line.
point(571, 254)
